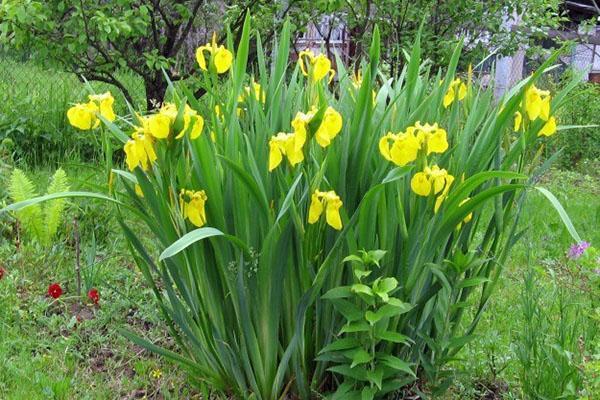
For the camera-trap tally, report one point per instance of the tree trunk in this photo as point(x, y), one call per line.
point(156, 87)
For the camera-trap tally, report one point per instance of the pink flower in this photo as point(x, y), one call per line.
point(94, 295)
point(55, 291)
point(577, 250)
point(2, 272)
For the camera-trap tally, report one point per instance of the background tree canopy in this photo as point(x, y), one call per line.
point(94, 38)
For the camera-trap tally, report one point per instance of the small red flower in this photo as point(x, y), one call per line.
point(2, 272)
point(94, 295)
point(55, 291)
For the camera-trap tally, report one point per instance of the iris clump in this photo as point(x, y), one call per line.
point(303, 172)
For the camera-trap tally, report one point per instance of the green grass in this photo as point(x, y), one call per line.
point(46, 353)
point(491, 359)
point(57, 351)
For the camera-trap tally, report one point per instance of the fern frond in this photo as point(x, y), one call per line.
point(21, 188)
point(53, 211)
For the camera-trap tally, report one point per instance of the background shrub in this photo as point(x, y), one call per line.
point(33, 99)
point(580, 145)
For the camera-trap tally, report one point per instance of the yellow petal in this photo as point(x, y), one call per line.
point(170, 110)
point(197, 123)
point(321, 67)
point(332, 213)
point(545, 108)
point(200, 56)
point(159, 125)
point(332, 75)
point(80, 117)
point(462, 91)
point(310, 57)
point(195, 210)
point(293, 152)
point(549, 128)
point(105, 103)
point(316, 208)
point(275, 155)
point(106, 110)
point(533, 104)
point(329, 128)
point(384, 146)
point(420, 184)
point(333, 120)
point(440, 199)
point(149, 147)
point(131, 155)
point(404, 149)
point(222, 59)
point(438, 183)
point(449, 97)
point(518, 121)
point(299, 125)
point(438, 142)
point(322, 137)
point(140, 149)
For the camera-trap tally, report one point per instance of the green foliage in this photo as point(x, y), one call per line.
point(360, 348)
point(21, 188)
point(581, 146)
point(53, 210)
point(41, 223)
point(96, 39)
point(481, 23)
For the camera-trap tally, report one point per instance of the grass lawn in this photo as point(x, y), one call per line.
point(61, 351)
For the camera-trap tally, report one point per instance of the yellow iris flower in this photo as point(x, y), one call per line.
point(431, 137)
point(139, 151)
point(432, 180)
point(537, 103)
point(193, 206)
point(440, 199)
point(105, 103)
point(330, 126)
point(221, 58)
point(285, 144)
point(329, 202)
point(159, 125)
point(456, 91)
point(300, 123)
point(84, 116)
point(315, 67)
point(403, 148)
point(290, 144)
